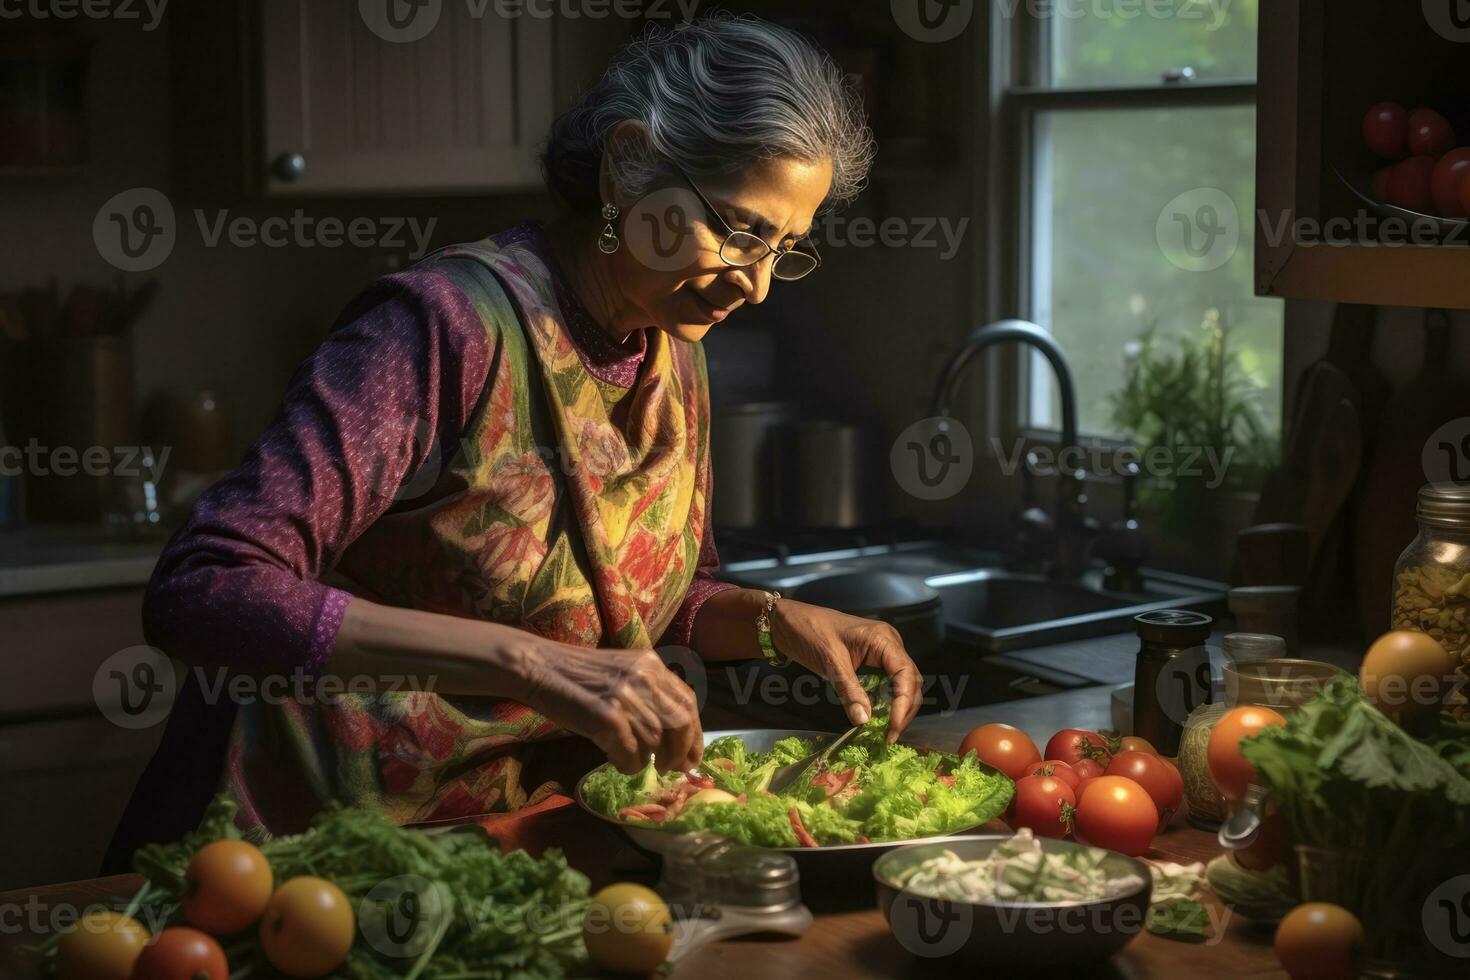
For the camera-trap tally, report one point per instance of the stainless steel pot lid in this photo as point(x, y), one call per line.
point(872, 594)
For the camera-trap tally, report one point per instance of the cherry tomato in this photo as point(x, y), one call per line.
point(1132, 743)
point(1430, 134)
point(102, 945)
point(1159, 779)
point(1409, 185)
point(628, 929)
point(1004, 747)
point(1386, 130)
point(227, 886)
point(181, 953)
point(1228, 768)
point(1062, 771)
point(1044, 804)
point(1320, 941)
point(1071, 745)
point(1381, 177)
point(308, 927)
point(1448, 178)
point(1116, 813)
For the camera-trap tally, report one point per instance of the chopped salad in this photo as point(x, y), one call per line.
point(867, 791)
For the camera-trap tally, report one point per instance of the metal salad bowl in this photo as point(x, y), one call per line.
point(810, 860)
point(1036, 934)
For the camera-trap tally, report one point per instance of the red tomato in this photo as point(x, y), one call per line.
point(1386, 130)
point(1062, 771)
point(1320, 941)
point(1005, 747)
point(1158, 778)
point(1380, 183)
point(1087, 769)
point(1044, 804)
point(1228, 768)
point(1430, 134)
point(1465, 194)
point(1176, 780)
point(1117, 814)
point(1409, 185)
point(1132, 743)
point(181, 953)
point(1073, 744)
point(1448, 178)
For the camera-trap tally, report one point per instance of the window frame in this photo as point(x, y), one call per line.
point(1020, 95)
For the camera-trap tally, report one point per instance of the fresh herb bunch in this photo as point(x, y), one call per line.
point(1348, 778)
point(1198, 396)
point(492, 915)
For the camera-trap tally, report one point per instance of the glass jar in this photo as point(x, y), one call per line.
point(1431, 590)
point(1255, 673)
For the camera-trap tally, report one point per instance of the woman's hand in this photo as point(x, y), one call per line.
point(835, 645)
point(626, 701)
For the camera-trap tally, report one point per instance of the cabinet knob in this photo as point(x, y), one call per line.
point(289, 166)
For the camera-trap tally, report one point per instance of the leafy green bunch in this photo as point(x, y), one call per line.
point(490, 915)
point(1393, 810)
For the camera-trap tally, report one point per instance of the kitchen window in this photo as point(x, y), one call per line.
point(1130, 131)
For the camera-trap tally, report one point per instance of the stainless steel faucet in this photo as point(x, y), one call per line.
point(1074, 529)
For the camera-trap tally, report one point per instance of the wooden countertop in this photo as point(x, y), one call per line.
point(846, 944)
point(849, 938)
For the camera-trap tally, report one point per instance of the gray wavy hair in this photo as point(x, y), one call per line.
point(714, 95)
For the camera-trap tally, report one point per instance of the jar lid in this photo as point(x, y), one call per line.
point(1174, 627)
point(1445, 505)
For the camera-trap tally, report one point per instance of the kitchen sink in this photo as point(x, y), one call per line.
point(988, 607)
point(998, 610)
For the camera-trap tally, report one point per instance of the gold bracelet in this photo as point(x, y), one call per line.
point(763, 633)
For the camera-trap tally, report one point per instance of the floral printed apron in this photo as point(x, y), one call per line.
point(570, 507)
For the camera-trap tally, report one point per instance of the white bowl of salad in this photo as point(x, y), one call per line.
point(1013, 899)
point(870, 795)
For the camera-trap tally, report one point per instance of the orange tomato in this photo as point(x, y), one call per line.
point(1229, 769)
point(1116, 813)
point(1320, 941)
point(102, 945)
point(227, 886)
point(308, 927)
point(1004, 747)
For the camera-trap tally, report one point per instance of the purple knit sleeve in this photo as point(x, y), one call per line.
point(238, 585)
point(680, 631)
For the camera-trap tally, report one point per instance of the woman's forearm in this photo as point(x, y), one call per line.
point(725, 626)
point(384, 647)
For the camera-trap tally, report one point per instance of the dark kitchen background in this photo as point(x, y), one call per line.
point(1028, 167)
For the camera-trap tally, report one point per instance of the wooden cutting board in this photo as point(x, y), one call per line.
point(1385, 516)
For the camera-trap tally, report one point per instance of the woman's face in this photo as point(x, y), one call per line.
point(669, 269)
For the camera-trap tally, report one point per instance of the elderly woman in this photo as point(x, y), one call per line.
point(493, 477)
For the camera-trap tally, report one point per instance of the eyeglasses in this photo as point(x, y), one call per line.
point(742, 248)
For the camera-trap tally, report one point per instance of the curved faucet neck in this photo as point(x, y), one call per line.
point(1007, 331)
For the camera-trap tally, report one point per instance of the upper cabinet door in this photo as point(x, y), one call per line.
point(433, 97)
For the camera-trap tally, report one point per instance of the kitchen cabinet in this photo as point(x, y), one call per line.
point(67, 771)
point(1322, 65)
point(304, 97)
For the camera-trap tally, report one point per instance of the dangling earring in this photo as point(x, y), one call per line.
point(608, 242)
